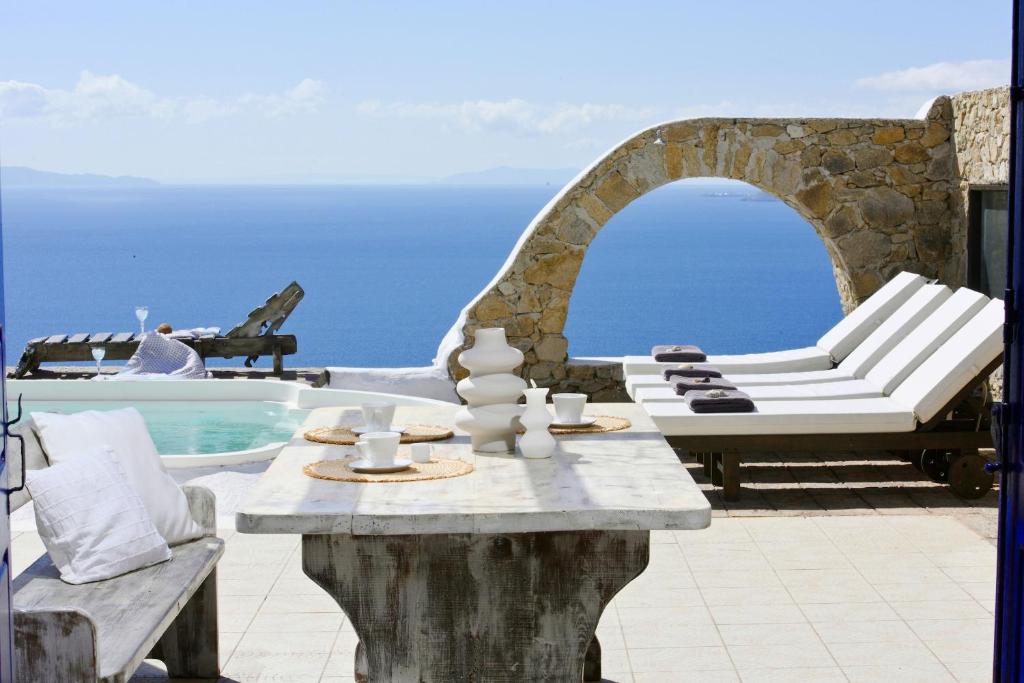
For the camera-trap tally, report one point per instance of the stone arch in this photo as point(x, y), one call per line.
point(877, 192)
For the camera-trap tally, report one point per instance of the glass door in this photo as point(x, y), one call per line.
point(6, 625)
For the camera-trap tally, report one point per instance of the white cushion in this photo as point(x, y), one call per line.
point(887, 335)
point(849, 332)
point(812, 377)
point(124, 431)
point(913, 349)
point(789, 360)
point(954, 364)
point(35, 459)
point(94, 526)
point(844, 416)
point(825, 391)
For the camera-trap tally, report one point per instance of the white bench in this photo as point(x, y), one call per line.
point(101, 632)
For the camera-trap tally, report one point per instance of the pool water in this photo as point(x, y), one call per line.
point(197, 427)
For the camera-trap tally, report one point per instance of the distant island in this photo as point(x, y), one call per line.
point(506, 175)
point(22, 176)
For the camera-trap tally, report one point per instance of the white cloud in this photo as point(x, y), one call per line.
point(104, 96)
point(943, 76)
point(515, 115)
point(304, 97)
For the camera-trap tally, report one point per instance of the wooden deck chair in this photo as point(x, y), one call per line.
point(932, 409)
point(256, 336)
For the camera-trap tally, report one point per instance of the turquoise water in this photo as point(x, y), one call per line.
point(197, 427)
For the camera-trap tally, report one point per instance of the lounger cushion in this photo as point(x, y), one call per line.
point(954, 364)
point(851, 388)
point(849, 332)
point(938, 327)
point(813, 377)
point(790, 360)
point(894, 329)
point(846, 416)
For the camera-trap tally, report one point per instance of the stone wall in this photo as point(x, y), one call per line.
point(883, 196)
point(981, 134)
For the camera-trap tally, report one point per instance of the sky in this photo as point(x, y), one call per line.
point(232, 91)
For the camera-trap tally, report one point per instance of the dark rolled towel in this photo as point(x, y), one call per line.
point(719, 401)
point(682, 385)
point(691, 372)
point(678, 354)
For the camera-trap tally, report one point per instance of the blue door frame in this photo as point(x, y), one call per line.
point(1010, 577)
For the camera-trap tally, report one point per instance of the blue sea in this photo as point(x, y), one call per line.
point(386, 269)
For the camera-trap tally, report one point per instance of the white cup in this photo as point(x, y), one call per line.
point(421, 452)
point(569, 407)
point(377, 415)
point(379, 447)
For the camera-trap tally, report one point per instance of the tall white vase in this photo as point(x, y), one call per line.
point(537, 442)
point(491, 392)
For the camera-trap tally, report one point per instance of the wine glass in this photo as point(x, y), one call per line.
point(141, 313)
point(98, 352)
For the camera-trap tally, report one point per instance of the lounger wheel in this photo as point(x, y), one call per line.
point(968, 477)
point(935, 464)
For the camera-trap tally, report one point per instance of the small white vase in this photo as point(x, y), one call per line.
point(491, 415)
point(537, 442)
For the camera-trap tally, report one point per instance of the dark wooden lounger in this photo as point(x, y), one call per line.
point(254, 337)
point(961, 427)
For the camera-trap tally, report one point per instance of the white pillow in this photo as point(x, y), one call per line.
point(94, 526)
point(124, 431)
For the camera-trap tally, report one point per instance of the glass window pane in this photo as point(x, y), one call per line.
point(992, 242)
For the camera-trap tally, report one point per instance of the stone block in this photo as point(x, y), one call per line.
point(595, 208)
point(888, 135)
point(552, 348)
point(865, 249)
point(557, 270)
point(817, 199)
point(771, 130)
point(885, 208)
point(842, 138)
point(492, 308)
point(615, 191)
point(911, 152)
point(872, 157)
point(836, 162)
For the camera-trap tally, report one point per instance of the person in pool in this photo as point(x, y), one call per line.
point(164, 328)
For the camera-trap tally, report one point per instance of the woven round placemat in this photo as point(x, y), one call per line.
point(344, 436)
point(338, 470)
point(604, 423)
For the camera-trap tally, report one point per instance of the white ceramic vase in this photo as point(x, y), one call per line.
point(537, 442)
point(491, 391)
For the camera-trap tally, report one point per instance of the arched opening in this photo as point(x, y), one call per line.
point(709, 261)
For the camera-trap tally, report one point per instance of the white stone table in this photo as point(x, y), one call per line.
point(499, 575)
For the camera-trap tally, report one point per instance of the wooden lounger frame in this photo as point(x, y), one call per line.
point(721, 455)
point(253, 338)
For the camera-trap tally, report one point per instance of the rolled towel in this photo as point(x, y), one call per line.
point(690, 371)
point(678, 354)
point(719, 401)
point(682, 385)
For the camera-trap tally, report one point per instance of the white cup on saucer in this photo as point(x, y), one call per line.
point(377, 415)
point(569, 408)
point(379, 448)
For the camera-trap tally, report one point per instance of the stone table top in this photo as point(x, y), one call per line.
point(629, 479)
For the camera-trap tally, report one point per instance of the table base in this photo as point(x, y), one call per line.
point(476, 607)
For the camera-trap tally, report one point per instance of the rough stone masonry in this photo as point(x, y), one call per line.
point(884, 195)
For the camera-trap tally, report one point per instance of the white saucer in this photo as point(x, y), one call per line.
point(362, 429)
point(365, 467)
point(585, 421)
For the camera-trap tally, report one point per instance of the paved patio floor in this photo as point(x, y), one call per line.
point(825, 598)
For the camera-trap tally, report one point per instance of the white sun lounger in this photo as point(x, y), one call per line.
point(832, 348)
point(884, 359)
point(914, 416)
point(899, 345)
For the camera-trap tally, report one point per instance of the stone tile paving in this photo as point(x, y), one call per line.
point(875, 597)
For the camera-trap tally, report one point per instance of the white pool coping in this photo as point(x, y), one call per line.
point(293, 394)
